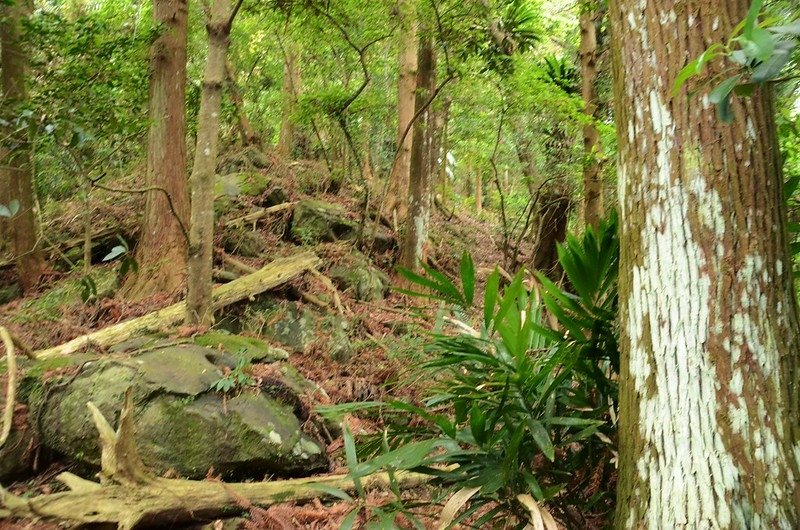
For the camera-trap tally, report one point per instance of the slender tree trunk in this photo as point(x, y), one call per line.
point(248, 134)
point(419, 204)
point(17, 173)
point(395, 204)
point(162, 249)
point(592, 186)
point(710, 386)
point(445, 147)
point(478, 192)
point(201, 235)
point(291, 92)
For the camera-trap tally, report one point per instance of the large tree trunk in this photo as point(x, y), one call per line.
point(201, 235)
point(395, 204)
point(16, 170)
point(162, 249)
point(710, 386)
point(290, 94)
point(419, 204)
point(592, 189)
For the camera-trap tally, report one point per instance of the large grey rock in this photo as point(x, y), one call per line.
point(180, 423)
point(315, 221)
point(358, 276)
point(297, 328)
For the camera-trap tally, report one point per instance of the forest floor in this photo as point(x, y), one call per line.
point(390, 331)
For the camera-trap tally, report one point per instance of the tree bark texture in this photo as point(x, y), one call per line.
point(395, 204)
point(17, 172)
point(162, 250)
point(291, 91)
point(419, 201)
point(201, 233)
point(710, 386)
point(592, 185)
point(248, 134)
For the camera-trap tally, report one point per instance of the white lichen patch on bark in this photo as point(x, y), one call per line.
point(691, 476)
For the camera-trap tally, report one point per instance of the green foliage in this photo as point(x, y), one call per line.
point(236, 379)
point(127, 262)
point(759, 48)
point(588, 314)
point(517, 407)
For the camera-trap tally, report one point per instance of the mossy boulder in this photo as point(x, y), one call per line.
point(243, 242)
point(298, 328)
point(253, 349)
point(356, 275)
point(229, 188)
point(181, 424)
point(315, 221)
point(289, 324)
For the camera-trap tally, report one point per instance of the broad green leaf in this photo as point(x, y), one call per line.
point(333, 492)
point(542, 438)
point(684, 75)
point(751, 18)
point(490, 297)
point(352, 459)
point(760, 45)
point(4, 211)
point(468, 278)
point(13, 207)
point(349, 520)
point(115, 252)
point(723, 90)
point(477, 423)
point(774, 64)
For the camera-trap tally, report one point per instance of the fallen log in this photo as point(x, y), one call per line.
point(129, 497)
point(258, 214)
point(273, 274)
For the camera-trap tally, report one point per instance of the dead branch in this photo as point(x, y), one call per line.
point(11, 389)
point(273, 274)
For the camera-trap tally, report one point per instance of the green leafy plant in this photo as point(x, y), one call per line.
point(521, 411)
point(127, 263)
point(758, 49)
point(237, 378)
point(383, 516)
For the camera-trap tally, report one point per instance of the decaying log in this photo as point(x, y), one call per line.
point(237, 265)
point(129, 497)
point(273, 274)
point(258, 214)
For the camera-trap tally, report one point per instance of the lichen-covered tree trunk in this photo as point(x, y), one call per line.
point(710, 387)
point(419, 197)
point(17, 172)
point(289, 95)
point(162, 249)
point(201, 233)
point(592, 190)
point(395, 204)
